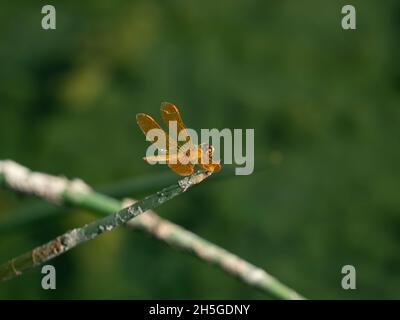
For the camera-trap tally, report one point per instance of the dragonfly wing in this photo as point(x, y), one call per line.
point(169, 112)
point(157, 158)
point(163, 142)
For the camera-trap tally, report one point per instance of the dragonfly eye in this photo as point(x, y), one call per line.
point(210, 150)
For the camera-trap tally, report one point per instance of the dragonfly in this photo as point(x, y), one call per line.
point(180, 156)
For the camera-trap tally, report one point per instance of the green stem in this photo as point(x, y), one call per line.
point(150, 223)
point(72, 238)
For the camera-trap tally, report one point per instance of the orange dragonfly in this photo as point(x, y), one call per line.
point(179, 159)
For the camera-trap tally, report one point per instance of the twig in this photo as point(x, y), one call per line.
point(187, 241)
point(26, 214)
point(151, 223)
point(24, 180)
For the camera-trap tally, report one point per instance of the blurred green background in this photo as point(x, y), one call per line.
point(323, 101)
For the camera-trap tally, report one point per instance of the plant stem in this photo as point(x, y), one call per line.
point(159, 228)
point(76, 236)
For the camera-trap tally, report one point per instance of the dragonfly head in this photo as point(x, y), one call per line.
point(206, 158)
point(206, 152)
